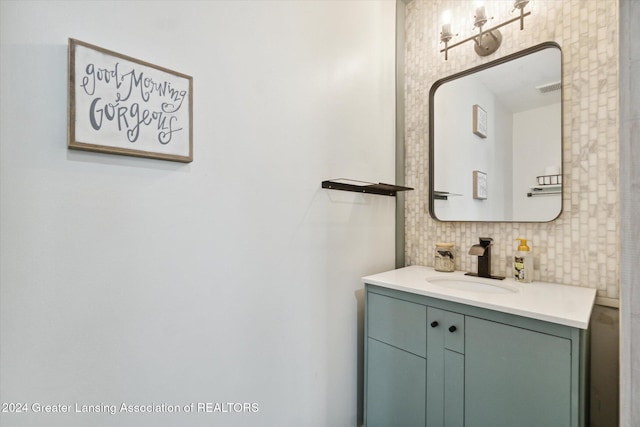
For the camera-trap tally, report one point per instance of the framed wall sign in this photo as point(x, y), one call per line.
point(121, 105)
point(479, 121)
point(479, 185)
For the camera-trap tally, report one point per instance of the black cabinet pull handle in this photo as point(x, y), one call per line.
point(452, 328)
point(434, 323)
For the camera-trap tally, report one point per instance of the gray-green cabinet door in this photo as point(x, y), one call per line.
point(435, 367)
point(453, 389)
point(399, 323)
point(395, 387)
point(515, 377)
point(445, 369)
point(454, 336)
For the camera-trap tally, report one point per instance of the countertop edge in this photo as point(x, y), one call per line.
point(579, 319)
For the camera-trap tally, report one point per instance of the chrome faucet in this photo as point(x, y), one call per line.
point(483, 251)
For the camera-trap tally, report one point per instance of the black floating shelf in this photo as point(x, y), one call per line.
point(363, 187)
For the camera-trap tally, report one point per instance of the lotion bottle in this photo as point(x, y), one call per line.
point(523, 263)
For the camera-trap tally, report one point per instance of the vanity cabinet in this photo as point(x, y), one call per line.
point(436, 363)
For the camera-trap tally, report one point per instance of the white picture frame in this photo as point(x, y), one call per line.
point(121, 105)
point(479, 121)
point(480, 187)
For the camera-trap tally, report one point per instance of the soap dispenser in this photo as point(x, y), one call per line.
point(523, 262)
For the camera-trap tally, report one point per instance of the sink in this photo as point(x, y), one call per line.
point(472, 285)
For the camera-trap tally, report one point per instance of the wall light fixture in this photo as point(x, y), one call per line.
point(487, 41)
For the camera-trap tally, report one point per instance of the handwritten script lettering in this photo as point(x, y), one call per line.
point(138, 101)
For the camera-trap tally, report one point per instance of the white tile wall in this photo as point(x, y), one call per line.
point(582, 246)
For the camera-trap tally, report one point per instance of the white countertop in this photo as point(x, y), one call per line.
point(562, 304)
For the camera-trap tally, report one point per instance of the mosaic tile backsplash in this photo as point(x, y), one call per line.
point(582, 246)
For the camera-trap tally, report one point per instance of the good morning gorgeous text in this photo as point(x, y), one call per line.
point(138, 101)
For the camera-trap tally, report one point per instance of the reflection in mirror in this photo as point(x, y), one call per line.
point(496, 140)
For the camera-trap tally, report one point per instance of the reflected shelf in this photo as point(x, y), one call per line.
point(545, 190)
point(443, 195)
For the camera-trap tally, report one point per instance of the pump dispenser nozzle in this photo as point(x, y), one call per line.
point(523, 245)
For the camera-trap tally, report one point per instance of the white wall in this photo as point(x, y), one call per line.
point(231, 279)
point(536, 136)
point(460, 152)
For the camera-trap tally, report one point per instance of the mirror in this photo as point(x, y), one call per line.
point(496, 140)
